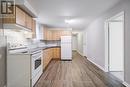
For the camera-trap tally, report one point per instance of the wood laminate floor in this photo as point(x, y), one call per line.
point(76, 73)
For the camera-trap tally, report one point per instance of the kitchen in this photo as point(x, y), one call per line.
point(31, 46)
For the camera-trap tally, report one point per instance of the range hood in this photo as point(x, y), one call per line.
point(15, 27)
point(24, 4)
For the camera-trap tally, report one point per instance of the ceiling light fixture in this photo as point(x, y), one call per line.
point(68, 21)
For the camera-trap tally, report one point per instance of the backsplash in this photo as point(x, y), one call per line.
point(19, 38)
point(55, 43)
point(14, 37)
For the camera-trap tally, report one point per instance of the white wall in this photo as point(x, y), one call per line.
point(84, 43)
point(96, 37)
point(96, 42)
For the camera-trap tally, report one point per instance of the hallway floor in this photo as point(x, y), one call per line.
point(76, 73)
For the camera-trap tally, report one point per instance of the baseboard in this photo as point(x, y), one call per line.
point(126, 84)
point(80, 53)
point(56, 58)
point(44, 69)
point(97, 65)
point(85, 57)
point(74, 50)
point(94, 63)
point(66, 59)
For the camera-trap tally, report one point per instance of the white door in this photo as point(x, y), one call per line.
point(74, 42)
point(116, 46)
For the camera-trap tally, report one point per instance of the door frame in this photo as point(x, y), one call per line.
point(107, 40)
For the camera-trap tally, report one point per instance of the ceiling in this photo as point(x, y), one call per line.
point(54, 12)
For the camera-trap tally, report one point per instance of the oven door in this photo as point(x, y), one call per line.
point(36, 64)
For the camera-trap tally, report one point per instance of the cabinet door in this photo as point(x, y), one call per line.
point(44, 33)
point(47, 57)
point(49, 35)
point(66, 33)
point(56, 35)
point(52, 35)
point(20, 17)
point(59, 53)
point(44, 58)
point(51, 53)
point(56, 53)
point(28, 21)
point(33, 28)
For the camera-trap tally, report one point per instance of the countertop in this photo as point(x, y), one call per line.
point(47, 47)
point(38, 48)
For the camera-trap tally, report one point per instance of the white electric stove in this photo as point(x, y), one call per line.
point(35, 55)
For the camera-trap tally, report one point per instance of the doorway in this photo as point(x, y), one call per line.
point(115, 45)
point(74, 42)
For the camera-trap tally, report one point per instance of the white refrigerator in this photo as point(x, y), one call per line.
point(66, 48)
